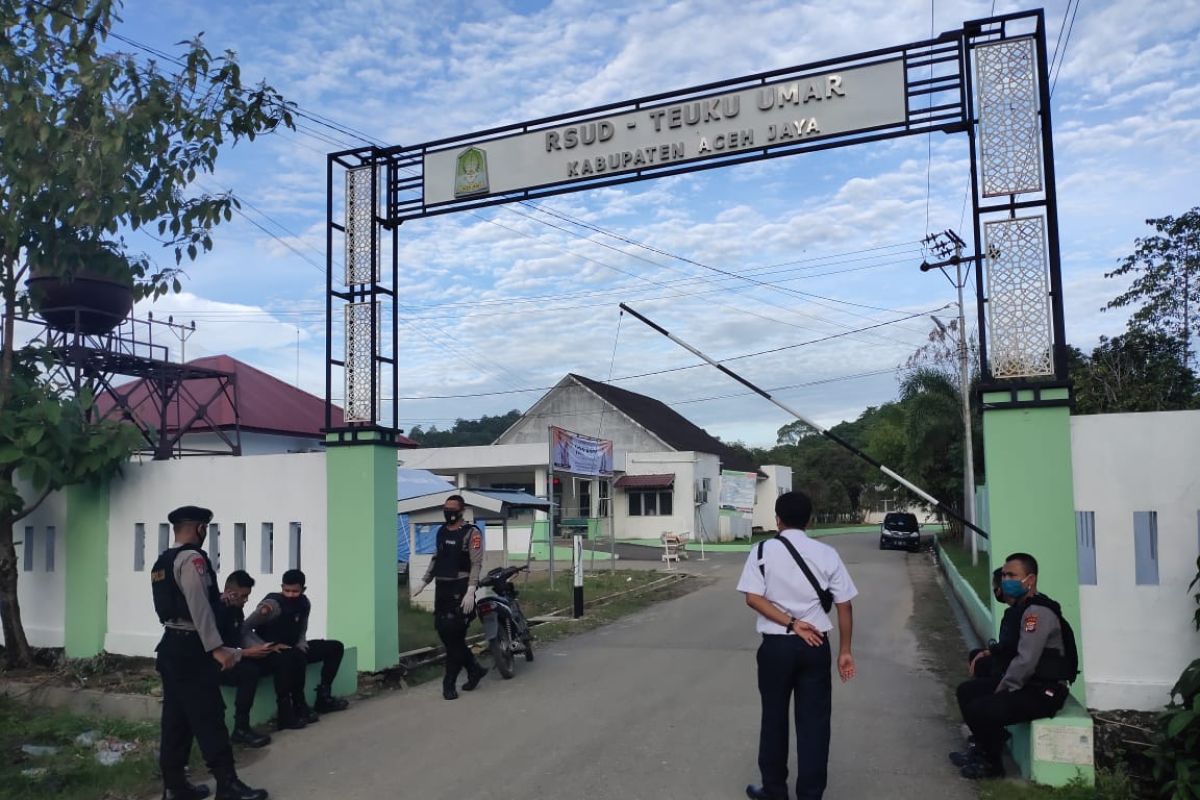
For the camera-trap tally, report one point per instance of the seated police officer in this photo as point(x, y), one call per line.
point(257, 660)
point(282, 619)
point(1034, 685)
point(191, 657)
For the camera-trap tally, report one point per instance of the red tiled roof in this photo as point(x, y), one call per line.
point(265, 403)
point(645, 482)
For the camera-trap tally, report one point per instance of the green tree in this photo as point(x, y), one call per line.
point(933, 434)
point(466, 432)
point(94, 145)
point(1137, 371)
point(1165, 291)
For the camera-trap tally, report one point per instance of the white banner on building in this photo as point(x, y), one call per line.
point(580, 455)
point(738, 490)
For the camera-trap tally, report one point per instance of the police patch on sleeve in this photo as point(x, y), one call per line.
point(264, 609)
point(1031, 623)
point(476, 541)
point(201, 567)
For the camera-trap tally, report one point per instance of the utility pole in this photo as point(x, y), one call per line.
point(949, 246)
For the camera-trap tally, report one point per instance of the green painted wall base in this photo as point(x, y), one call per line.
point(1056, 751)
point(978, 615)
point(345, 684)
point(1031, 508)
point(361, 552)
point(1031, 496)
point(86, 612)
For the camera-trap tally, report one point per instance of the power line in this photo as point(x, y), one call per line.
point(657, 371)
point(1066, 42)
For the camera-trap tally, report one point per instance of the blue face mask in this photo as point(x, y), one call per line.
point(1011, 587)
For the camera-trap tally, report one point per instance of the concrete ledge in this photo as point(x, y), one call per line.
point(1058, 750)
point(979, 615)
point(346, 683)
point(86, 702)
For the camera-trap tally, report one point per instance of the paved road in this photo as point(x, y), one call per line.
point(660, 705)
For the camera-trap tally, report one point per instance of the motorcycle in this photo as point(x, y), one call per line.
point(504, 624)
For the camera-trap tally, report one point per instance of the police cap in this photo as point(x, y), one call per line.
point(190, 514)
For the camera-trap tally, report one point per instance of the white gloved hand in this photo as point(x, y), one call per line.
point(468, 603)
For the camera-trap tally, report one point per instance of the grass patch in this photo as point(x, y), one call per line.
point(978, 576)
point(609, 611)
point(416, 624)
point(1109, 786)
point(73, 772)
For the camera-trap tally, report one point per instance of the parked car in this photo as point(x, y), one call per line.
point(900, 530)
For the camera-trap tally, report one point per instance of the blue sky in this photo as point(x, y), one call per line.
point(505, 299)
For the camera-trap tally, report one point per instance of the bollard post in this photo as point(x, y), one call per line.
point(578, 576)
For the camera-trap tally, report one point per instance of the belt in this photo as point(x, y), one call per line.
point(182, 631)
point(824, 634)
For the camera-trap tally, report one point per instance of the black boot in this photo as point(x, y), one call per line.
point(244, 734)
point(326, 702)
point(231, 788)
point(963, 757)
point(448, 690)
point(475, 674)
point(285, 716)
point(303, 712)
point(982, 766)
point(186, 791)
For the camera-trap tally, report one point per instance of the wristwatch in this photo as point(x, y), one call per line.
point(791, 622)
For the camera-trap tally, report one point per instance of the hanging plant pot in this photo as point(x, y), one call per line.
point(92, 297)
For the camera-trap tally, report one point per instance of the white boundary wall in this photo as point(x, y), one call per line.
point(1138, 638)
point(279, 490)
point(42, 589)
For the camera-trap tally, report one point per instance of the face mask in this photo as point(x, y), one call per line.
point(1011, 587)
point(450, 515)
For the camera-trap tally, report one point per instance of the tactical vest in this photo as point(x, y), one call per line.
point(1005, 649)
point(1053, 665)
point(169, 602)
point(453, 554)
point(229, 623)
point(285, 628)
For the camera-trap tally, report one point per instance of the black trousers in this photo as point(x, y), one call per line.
point(245, 676)
point(451, 625)
point(192, 707)
point(327, 652)
point(986, 711)
point(791, 670)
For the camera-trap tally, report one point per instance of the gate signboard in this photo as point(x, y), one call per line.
point(684, 129)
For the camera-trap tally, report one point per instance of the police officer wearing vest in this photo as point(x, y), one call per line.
point(792, 582)
point(282, 619)
point(455, 566)
point(1035, 682)
point(191, 656)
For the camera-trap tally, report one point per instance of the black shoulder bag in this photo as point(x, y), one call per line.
point(824, 595)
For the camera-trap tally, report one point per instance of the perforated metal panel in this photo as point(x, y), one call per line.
point(360, 361)
point(1009, 129)
point(362, 251)
point(1020, 330)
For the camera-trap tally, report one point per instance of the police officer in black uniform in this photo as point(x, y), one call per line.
point(282, 619)
point(456, 566)
point(1034, 685)
point(191, 656)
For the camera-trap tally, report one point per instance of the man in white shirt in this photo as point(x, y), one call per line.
point(795, 656)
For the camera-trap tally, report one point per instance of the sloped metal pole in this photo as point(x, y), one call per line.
point(833, 437)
